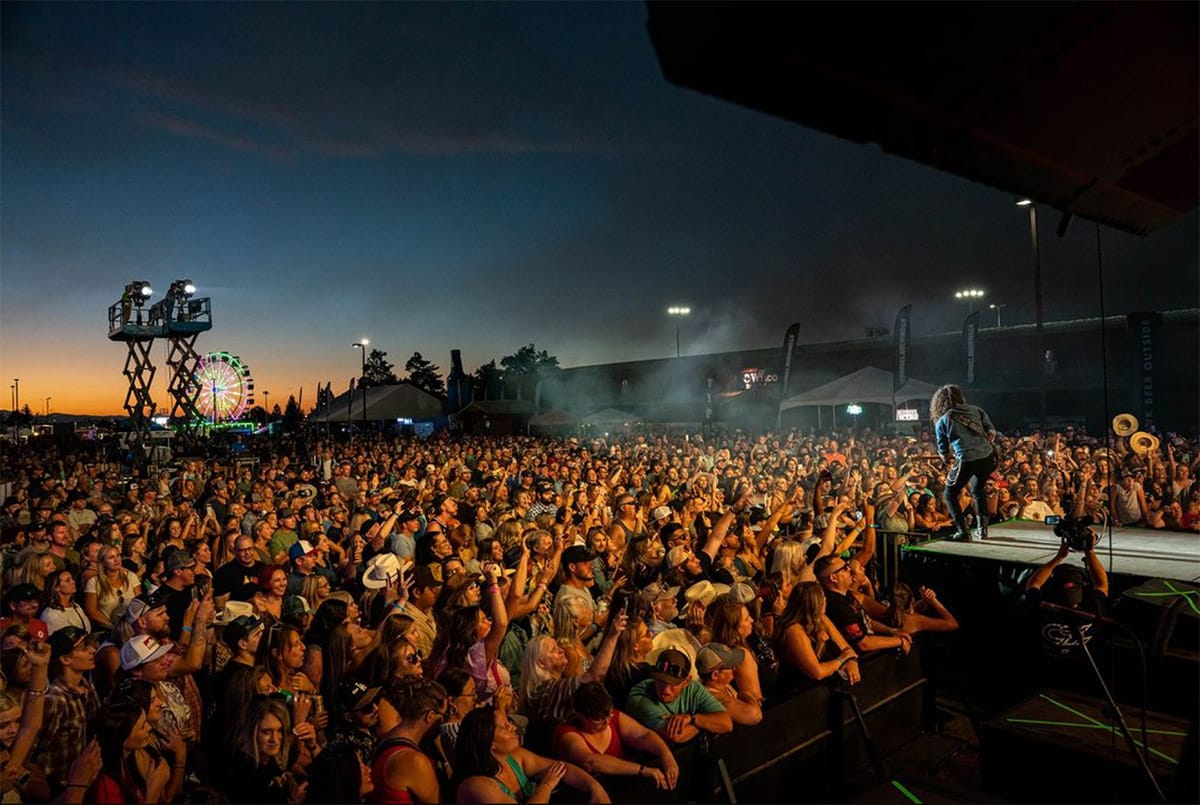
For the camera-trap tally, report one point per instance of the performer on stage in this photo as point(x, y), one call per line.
point(968, 432)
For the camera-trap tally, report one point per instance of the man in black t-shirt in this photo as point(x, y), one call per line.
point(244, 569)
point(860, 630)
point(1069, 587)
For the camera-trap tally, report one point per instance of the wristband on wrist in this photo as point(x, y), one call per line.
point(186, 629)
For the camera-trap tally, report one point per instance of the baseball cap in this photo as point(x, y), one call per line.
point(1068, 584)
point(239, 629)
point(678, 555)
point(577, 553)
point(660, 513)
point(65, 640)
point(141, 649)
point(672, 667)
point(141, 605)
point(438, 500)
point(285, 513)
point(21, 592)
point(178, 560)
point(655, 591)
point(715, 656)
point(405, 516)
point(354, 695)
point(300, 548)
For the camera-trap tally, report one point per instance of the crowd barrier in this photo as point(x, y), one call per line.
point(807, 743)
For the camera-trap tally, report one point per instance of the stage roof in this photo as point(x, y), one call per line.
point(1085, 107)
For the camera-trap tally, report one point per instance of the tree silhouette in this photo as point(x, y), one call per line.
point(424, 374)
point(486, 380)
point(528, 361)
point(379, 372)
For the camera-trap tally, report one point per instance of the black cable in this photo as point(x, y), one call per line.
point(1108, 419)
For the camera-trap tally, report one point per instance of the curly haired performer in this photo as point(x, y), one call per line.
point(968, 432)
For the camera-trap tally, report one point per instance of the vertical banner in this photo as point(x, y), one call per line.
point(901, 335)
point(1143, 334)
point(789, 347)
point(970, 333)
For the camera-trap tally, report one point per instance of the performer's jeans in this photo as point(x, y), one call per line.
point(973, 473)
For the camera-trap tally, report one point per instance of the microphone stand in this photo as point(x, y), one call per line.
point(1129, 739)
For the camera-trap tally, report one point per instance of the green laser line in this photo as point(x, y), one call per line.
point(1098, 725)
point(911, 797)
point(1073, 711)
point(1083, 726)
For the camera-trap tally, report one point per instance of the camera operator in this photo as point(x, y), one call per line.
point(1059, 586)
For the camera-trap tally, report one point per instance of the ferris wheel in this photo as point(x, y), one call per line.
point(223, 387)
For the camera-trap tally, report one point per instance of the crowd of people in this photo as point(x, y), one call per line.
point(480, 618)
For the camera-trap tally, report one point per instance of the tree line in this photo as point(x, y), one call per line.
point(426, 375)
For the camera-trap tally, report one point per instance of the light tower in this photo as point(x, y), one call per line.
point(182, 319)
point(128, 321)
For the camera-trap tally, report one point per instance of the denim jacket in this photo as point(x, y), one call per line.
point(965, 429)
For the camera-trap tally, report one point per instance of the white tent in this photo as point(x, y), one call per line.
point(383, 403)
point(608, 417)
point(867, 385)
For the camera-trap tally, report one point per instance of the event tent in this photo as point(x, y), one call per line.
point(401, 400)
point(867, 385)
point(610, 417)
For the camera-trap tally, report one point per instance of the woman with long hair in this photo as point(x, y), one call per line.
point(809, 645)
point(58, 602)
point(490, 765)
point(546, 686)
point(908, 612)
point(129, 772)
point(267, 765)
point(472, 641)
point(112, 587)
point(398, 639)
point(731, 624)
point(628, 666)
point(571, 618)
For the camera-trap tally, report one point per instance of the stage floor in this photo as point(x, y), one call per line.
point(1134, 551)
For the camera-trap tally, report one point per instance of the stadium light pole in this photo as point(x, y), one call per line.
point(678, 312)
point(969, 295)
point(362, 378)
point(1037, 307)
point(267, 405)
point(997, 308)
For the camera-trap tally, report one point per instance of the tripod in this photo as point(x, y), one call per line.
point(1129, 739)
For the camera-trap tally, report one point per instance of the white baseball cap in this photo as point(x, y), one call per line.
point(141, 649)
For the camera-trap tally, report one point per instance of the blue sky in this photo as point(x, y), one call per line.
point(473, 176)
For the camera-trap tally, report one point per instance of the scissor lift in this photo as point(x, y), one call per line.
point(130, 321)
point(182, 320)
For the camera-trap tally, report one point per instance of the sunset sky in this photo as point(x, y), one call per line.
point(472, 176)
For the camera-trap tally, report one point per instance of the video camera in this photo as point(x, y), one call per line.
point(1076, 532)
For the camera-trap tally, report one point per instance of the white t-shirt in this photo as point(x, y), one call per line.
point(108, 602)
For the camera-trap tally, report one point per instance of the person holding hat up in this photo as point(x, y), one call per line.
point(675, 705)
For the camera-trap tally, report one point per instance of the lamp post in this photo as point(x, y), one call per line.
point(362, 378)
point(854, 409)
point(678, 312)
point(969, 295)
point(997, 308)
point(1037, 307)
point(47, 406)
point(267, 405)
